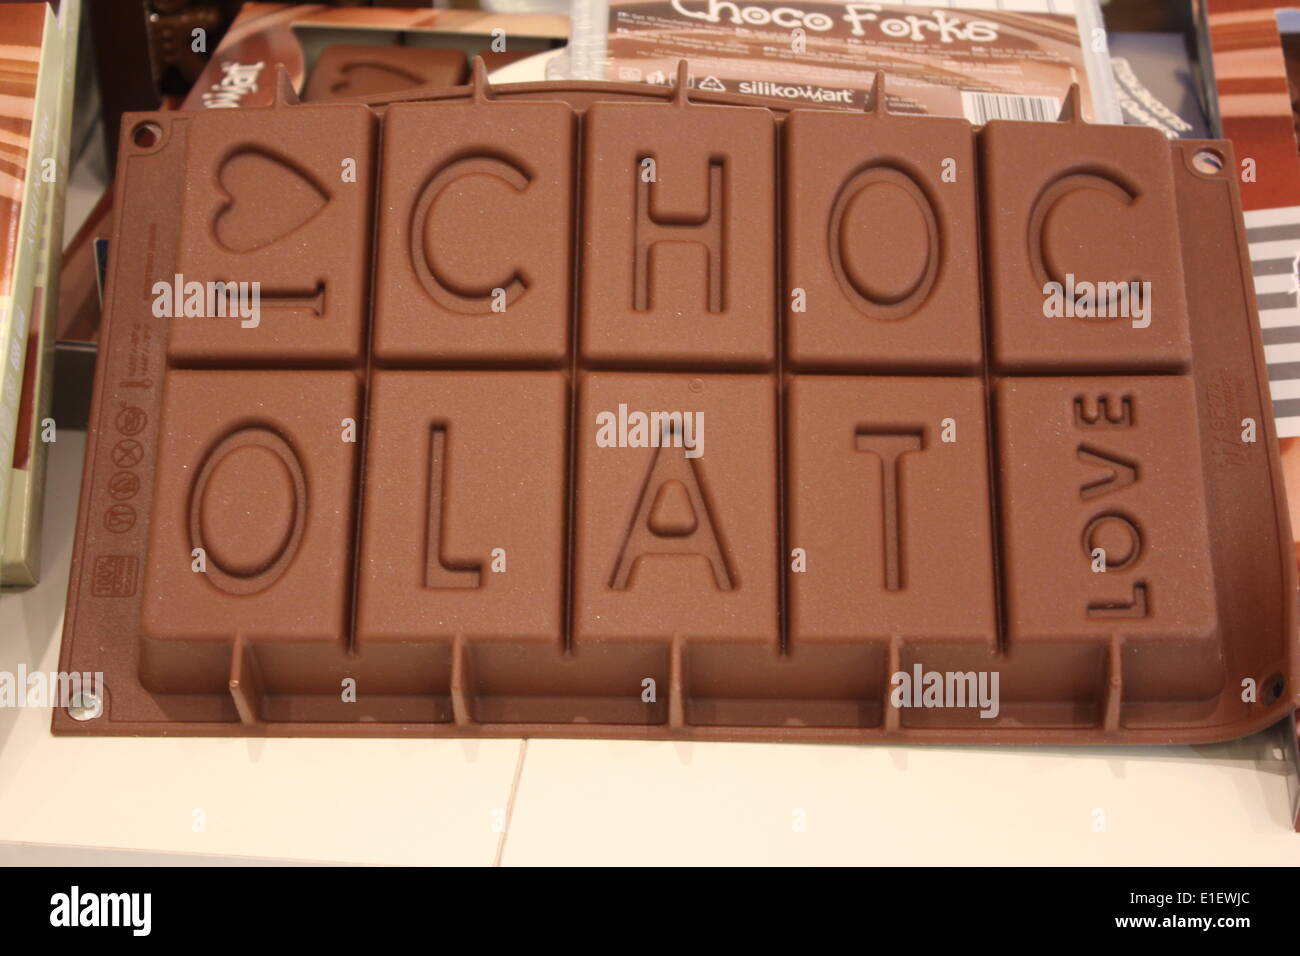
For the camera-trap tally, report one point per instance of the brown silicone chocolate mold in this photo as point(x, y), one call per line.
point(603, 410)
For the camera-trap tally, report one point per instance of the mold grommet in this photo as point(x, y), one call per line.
point(147, 135)
point(86, 705)
point(1207, 161)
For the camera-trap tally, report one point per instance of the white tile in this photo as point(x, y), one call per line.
point(429, 802)
point(374, 801)
point(586, 802)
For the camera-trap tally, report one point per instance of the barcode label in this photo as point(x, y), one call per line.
point(982, 107)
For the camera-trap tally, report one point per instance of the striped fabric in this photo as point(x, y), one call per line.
point(1274, 238)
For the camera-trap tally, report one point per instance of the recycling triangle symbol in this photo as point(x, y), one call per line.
point(713, 84)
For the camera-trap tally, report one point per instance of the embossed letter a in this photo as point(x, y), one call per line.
point(671, 517)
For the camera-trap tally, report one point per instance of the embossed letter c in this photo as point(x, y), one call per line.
point(467, 301)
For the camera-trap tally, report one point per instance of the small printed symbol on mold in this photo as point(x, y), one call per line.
point(656, 429)
point(950, 689)
point(119, 518)
point(114, 575)
point(123, 485)
point(1083, 299)
point(127, 453)
point(208, 300)
point(131, 419)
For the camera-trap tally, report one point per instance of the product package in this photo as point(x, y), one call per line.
point(38, 73)
point(1157, 84)
point(982, 61)
point(433, 49)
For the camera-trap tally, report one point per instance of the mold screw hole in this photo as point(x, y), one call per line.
point(1273, 690)
point(1207, 161)
point(147, 135)
point(85, 705)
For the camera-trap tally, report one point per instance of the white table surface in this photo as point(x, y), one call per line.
point(519, 802)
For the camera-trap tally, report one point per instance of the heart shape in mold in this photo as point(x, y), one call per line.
point(268, 199)
point(370, 78)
